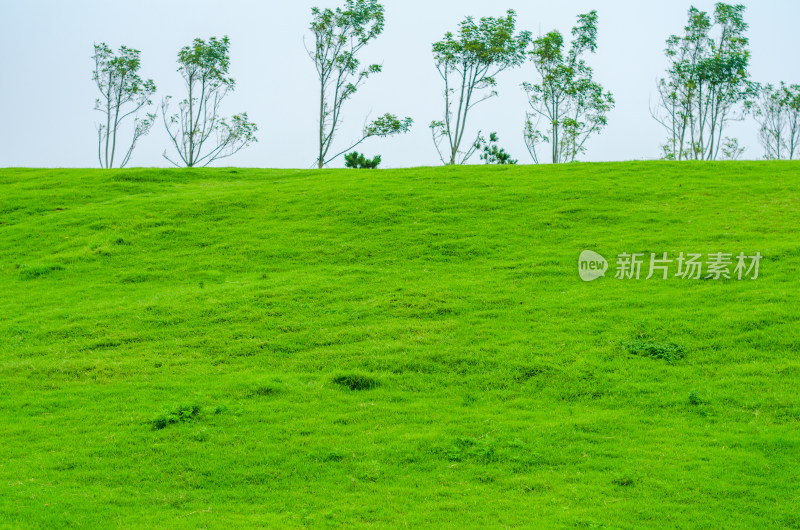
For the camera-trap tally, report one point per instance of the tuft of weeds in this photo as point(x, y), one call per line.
point(525, 373)
point(479, 450)
point(356, 382)
point(469, 400)
point(666, 351)
point(333, 456)
point(694, 397)
point(31, 273)
point(262, 391)
point(624, 480)
point(179, 414)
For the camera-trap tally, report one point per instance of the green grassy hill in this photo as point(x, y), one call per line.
point(226, 348)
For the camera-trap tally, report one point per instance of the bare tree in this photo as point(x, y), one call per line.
point(339, 35)
point(122, 94)
point(198, 133)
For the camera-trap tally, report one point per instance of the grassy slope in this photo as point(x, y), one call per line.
point(504, 395)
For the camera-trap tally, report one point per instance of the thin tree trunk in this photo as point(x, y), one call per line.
point(108, 118)
point(320, 161)
point(190, 160)
point(454, 143)
point(116, 120)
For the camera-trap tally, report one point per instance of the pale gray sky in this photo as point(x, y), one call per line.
point(47, 95)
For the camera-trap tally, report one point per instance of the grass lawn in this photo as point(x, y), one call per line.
point(228, 348)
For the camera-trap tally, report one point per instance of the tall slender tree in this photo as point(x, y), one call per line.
point(123, 93)
point(707, 83)
point(197, 132)
point(572, 105)
point(339, 36)
point(778, 115)
point(469, 63)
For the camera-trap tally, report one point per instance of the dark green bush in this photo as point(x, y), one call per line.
point(492, 152)
point(357, 160)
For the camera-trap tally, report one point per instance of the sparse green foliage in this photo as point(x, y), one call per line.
point(198, 133)
point(123, 93)
point(731, 150)
point(387, 125)
point(356, 160)
point(339, 36)
point(493, 153)
point(571, 104)
point(469, 64)
point(778, 114)
point(707, 84)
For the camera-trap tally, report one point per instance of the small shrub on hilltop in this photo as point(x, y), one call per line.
point(357, 160)
point(492, 153)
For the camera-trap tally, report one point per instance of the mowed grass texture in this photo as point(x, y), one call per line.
point(228, 348)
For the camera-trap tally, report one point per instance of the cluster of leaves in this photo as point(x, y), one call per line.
point(571, 104)
point(707, 84)
point(387, 125)
point(730, 149)
point(357, 160)
point(778, 115)
point(493, 153)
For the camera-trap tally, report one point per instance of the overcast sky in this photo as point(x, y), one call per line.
point(47, 94)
